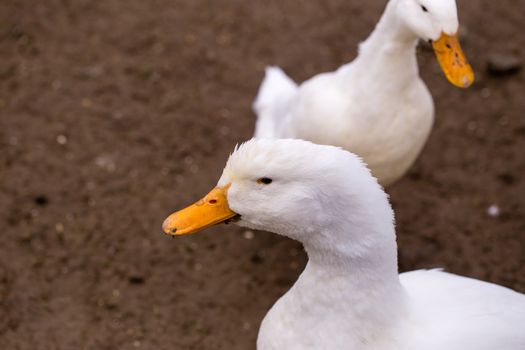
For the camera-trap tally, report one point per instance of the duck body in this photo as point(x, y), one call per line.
point(437, 310)
point(350, 295)
point(387, 128)
point(376, 106)
point(455, 312)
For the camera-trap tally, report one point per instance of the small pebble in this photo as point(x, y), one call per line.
point(93, 71)
point(248, 234)
point(61, 139)
point(59, 227)
point(194, 168)
point(86, 103)
point(156, 310)
point(485, 92)
point(225, 113)
point(106, 163)
point(493, 211)
point(500, 64)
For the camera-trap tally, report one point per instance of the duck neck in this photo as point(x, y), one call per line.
point(388, 54)
point(353, 270)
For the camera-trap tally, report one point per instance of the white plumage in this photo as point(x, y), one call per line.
point(376, 106)
point(350, 295)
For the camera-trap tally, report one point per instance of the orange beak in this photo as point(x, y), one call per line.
point(211, 210)
point(453, 61)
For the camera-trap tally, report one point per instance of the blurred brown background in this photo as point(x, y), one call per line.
point(115, 113)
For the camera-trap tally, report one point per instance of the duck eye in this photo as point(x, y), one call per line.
point(264, 180)
point(424, 8)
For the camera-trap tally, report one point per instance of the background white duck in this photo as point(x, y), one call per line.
point(376, 106)
point(350, 295)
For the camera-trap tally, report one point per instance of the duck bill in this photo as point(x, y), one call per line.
point(210, 210)
point(453, 61)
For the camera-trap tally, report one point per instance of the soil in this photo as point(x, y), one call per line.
point(115, 113)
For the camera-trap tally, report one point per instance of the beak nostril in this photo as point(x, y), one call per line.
point(212, 201)
point(173, 230)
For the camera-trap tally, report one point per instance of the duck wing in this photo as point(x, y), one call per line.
point(454, 312)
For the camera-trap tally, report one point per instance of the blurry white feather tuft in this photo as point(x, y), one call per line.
point(274, 98)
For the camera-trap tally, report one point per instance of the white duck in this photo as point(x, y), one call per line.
point(350, 295)
point(376, 106)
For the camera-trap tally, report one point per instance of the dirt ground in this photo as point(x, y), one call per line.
point(115, 113)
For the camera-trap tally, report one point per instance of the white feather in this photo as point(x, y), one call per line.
point(274, 98)
point(377, 106)
point(350, 295)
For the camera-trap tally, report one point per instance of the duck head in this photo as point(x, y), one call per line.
point(436, 21)
point(308, 192)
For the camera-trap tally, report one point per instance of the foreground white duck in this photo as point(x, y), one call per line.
point(377, 106)
point(350, 295)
